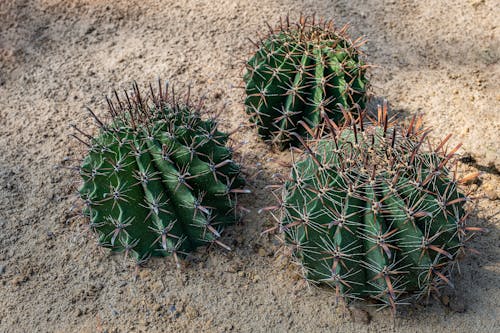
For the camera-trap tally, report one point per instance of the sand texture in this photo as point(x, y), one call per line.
point(436, 57)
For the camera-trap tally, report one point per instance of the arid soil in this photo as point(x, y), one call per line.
point(436, 57)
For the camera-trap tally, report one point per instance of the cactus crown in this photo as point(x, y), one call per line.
point(158, 180)
point(300, 72)
point(370, 212)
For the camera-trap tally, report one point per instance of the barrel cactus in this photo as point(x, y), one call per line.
point(368, 211)
point(299, 72)
point(158, 180)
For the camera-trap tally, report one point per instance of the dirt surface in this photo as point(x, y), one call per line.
point(432, 56)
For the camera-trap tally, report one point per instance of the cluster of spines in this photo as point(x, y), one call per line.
point(300, 72)
point(367, 211)
point(158, 180)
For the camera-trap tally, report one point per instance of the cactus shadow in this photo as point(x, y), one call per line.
point(262, 171)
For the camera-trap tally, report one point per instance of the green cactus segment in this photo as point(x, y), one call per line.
point(369, 215)
point(299, 73)
point(159, 181)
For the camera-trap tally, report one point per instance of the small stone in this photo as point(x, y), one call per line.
point(218, 95)
point(17, 280)
point(262, 252)
point(233, 268)
point(491, 194)
point(191, 313)
point(144, 322)
point(135, 302)
point(445, 300)
point(157, 287)
point(467, 159)
point(476, 3)
point(359, 315)
point(89, 30)
point(241, 274)
point(457, 305)
point(256, 278)
point(145, 274)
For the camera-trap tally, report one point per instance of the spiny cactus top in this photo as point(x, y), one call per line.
point(158, 180)
point(299, 72)
point(369, 211)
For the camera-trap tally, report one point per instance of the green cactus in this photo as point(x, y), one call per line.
point(300, 72)
point(368, 211)
point(158, 180)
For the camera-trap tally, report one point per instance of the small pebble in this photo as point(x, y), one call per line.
point(145, 274)
point(16, 281)
point(232, 268)
point(491, 194)
point(457, 305)
point(359, 315)
point(453, 302)
point(144, 322)
point(191, 313)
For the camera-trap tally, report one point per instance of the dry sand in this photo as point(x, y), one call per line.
point(433, 56)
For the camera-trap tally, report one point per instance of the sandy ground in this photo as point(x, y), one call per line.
point(432, 56)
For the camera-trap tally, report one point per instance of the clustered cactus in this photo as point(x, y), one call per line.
point(369, 211)
point(300, 72)
point(158, 180)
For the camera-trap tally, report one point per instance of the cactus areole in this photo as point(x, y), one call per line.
point(158, 180)
point(372, 212)
point(299, 72)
